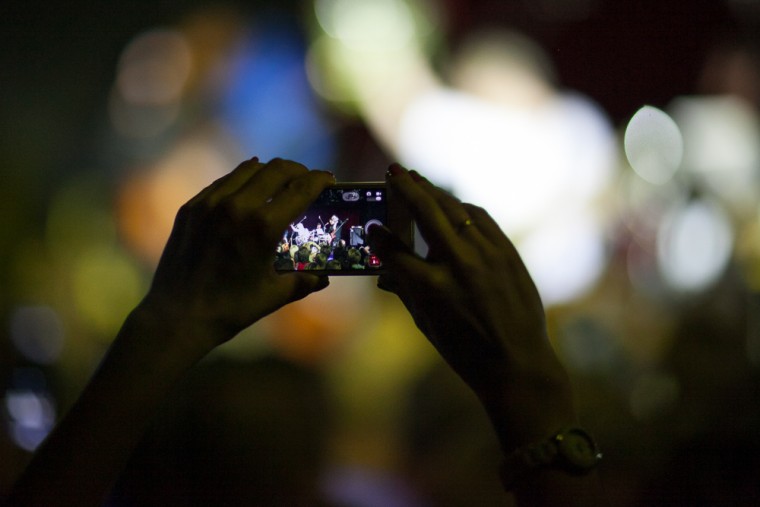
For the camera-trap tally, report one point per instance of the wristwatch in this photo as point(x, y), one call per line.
point(570, 449)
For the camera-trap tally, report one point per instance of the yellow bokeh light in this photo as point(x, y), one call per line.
point(106, 285)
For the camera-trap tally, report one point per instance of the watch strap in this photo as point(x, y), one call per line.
point(571, 449)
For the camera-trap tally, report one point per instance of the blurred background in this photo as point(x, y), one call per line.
point(617, 143)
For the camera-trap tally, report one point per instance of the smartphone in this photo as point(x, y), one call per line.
point(331, 236)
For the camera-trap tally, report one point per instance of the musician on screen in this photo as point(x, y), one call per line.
point(333, 228)
point(300, 233)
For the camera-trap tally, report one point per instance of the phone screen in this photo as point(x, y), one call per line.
point(331, 236)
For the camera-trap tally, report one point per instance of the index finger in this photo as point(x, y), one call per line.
point(430, 217)
point(295, 196)
point(260, 187)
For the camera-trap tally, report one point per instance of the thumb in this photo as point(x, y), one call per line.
point(297, 286)
point(308, 283)
point(385, 244)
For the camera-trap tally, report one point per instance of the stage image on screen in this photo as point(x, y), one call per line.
point(331, 235)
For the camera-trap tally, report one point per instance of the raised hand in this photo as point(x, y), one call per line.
point(474, 299)
point(216, 273)
point(214, 278)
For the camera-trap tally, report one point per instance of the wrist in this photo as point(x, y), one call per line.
point(527, 407)
point(166, 331)
point(570, 450)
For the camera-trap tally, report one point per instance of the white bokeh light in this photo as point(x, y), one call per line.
point(722, 147)
point(565, 257)
point(653, 145)
point(523, 165)
point(367, 24)
point(694, 245)
point(31, 417)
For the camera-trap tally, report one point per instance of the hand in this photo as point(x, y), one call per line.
point(475, 301)
point(216, 275)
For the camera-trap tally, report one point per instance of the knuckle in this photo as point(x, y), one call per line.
point(438, 280)
point(260, 220)
point(227, 215)
point(226, 209)
point(470, 265)
point(191, 211)
point(289, 166)
point(299, 185)
point(474, 209)
point(232, 211)
point(185, 212)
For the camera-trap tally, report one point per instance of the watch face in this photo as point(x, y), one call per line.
point(578, 449)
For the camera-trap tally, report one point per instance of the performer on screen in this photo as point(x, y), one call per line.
point(300, 233)
point(320, 236)
point(333, 228)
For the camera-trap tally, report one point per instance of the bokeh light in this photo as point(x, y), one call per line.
point(106, 285)
point(266, 104)
point(694, 245)
point(29, 408)
point(152, 74)
point(37, 332)
point(32, 417)
point(500, 158)
point(150, 198)
point(653, 145)
point(154, 68)
point(565, 256)
point(722, 147)
point(78, 217)
point(367, 24)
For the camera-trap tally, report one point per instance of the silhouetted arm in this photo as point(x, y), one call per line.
point(475, 301)
point(214, 279)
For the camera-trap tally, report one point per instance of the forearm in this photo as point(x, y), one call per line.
point(85, 453)
point(526, 403)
